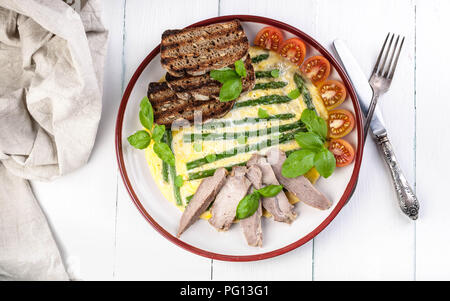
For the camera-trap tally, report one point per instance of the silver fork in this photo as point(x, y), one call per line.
point(380, 81)
point(381, 77)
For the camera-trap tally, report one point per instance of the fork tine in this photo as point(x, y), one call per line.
point(375, 69)
point(380, 71)
point(396, 60)
point(391, 58)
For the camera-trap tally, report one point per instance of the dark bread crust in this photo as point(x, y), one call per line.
point(167, 107)
point(195, 51)
point(203, 87)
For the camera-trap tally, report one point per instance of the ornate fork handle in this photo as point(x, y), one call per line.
point(407, 199)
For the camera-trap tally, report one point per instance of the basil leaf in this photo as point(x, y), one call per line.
point(294, 94)
point(298, 163)
point(158, 132)
point(270, 190)
point(248, 205)
point(163, 151)
point(146, 113)
point(140, 139)
point(231, 89)
point(275, 73)
point(309, 140)
point(314, 123)
point(321, 128)
point(325, 162)
point(211, 158)
point(223, 75)
point(240, 68)
point(263, 113)
point(197, 147)
point(308, 118)
point(178, 181)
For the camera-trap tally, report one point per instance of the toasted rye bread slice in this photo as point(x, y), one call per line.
point(167, 107)
point(203, 87)
point(195, 51)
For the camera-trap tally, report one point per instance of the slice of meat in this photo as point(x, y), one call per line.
point(251, 226)
point(278, 206)
point(205, 194)
point(203, 87)
point(197, 50)
point(167, 107)
point(299, 186)
point(223, 211)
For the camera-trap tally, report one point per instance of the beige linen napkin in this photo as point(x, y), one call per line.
point(51, 70)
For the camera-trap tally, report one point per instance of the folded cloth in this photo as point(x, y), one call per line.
point(51, 70)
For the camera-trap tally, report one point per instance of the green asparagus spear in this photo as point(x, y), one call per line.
point(165, 165)
point(210, 172)
point(264, 100)
point(251, 120)
point(207, 173)
point(259, 58)
point(283, 138)
point(173, 172)
point(267, 74)
point(270, 85)
point(191, 137)
point(304, 91)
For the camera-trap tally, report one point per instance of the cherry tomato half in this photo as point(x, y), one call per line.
point(294, 49)
point(340, 123)
point(333, 93)
point(316, 68)
point(342, 151)
point(269, 38)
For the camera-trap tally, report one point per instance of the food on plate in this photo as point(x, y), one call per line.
point(299, 186)
point(304, 91)
point(198, 50)
point(169, 108)
point(269, 38)
point(333, 93)
point(260, 57)
point(342, 151)
point(294, 50)
point(223, 210)
point(172, 170)
point(203, 87)
point(273, 73)
point(278, 206)
point(202, 199)
point(340, 123)
point(270, 85)
point(251, 226)
point(316, 68)
point(235, 133)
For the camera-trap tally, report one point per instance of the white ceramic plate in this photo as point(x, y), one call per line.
point(201, 238)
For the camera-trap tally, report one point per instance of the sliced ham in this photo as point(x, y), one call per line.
point(223, 211)
point(205, 194)
point(278, 206)
point(251, 226)
point(299, 186)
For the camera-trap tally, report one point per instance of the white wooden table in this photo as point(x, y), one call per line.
point(103, 236)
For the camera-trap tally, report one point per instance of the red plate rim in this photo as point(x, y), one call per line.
point(285, 249)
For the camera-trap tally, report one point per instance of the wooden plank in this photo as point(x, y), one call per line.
point(81, 206)
point(141, 252)
point(371, 238)
point(433, 243)
point(296, 265)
